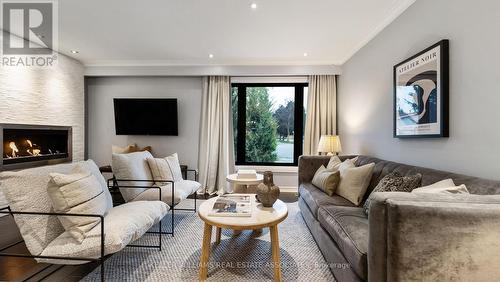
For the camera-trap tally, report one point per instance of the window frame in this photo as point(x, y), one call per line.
point(298, 122)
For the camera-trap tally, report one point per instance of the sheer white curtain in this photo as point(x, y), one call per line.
point(321, 117)
point(216, 155)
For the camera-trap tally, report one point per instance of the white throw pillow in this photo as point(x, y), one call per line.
point(446, 186)
point(160, 169)
point(79, 193)
point(175, 167)
point(354, 181)
point(440, 184)
point(89, 165)
point(335, 162)
point(133, 166)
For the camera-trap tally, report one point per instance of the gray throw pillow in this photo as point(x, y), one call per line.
point(395, 182)
point(326, 180)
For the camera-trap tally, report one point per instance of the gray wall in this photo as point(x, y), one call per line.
point(101, 126)
point(366, 97)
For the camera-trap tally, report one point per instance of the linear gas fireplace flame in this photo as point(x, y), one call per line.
point(34, 145)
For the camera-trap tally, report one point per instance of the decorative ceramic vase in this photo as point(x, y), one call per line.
point(267, 192)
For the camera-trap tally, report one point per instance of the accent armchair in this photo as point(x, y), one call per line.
point(132, 171)
point(45, 237)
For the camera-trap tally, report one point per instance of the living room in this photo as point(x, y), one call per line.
point(249, 140)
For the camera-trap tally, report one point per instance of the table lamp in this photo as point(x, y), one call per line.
point(329, 144)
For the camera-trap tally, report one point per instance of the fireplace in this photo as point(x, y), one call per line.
point(34, 145)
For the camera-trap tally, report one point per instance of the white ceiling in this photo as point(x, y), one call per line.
point(185, 32)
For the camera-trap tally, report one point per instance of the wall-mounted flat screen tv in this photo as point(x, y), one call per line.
point(146, 116)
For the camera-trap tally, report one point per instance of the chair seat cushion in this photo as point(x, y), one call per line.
point(315, 198)
point(348, 227)
point(182, 189)
point(122, 225)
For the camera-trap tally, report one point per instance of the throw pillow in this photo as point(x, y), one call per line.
point(446, 186)
point(78, 192)
point(335, 162)
point(175, 167)
point(441, 184)
point(160, 169)
point(354, 181)
point(129, 149)
point(326, 180)
point(394, 182)
point(89, 165)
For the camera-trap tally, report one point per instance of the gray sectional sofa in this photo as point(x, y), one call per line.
point(406, 236)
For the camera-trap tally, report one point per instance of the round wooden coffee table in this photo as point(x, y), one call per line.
point(261, 217)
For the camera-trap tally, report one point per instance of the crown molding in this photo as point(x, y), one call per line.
point(230, 70)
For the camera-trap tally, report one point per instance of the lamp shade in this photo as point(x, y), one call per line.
point(329, 144)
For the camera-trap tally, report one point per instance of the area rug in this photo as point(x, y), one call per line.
point(239, 257)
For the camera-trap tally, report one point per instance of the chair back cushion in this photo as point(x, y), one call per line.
point(133, 166)
point(26, 191)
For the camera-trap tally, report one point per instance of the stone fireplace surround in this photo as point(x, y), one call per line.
point(45, 96)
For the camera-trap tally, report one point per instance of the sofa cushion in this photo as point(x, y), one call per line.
point(315, 198)
point(182, 189)
point(348, 227)
point(132, 166)
point(122, 225)
point(475, 185)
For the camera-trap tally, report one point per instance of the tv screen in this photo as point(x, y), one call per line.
point(146, 116)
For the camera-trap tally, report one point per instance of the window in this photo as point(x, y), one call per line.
point(268, 122)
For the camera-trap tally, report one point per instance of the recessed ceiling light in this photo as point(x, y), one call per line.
point(210, 56)
point(74, 52)
point(253, 6)
point(305, 54)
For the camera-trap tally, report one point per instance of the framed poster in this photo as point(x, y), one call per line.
point(421, 94)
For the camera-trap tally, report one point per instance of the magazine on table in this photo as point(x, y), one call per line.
point(232, 205)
